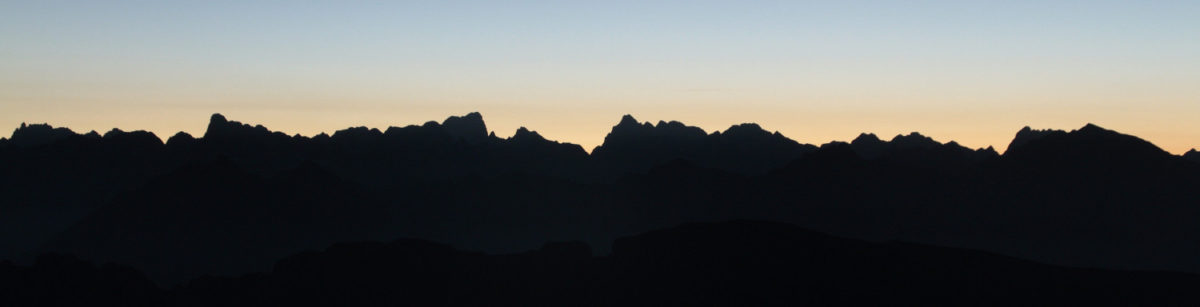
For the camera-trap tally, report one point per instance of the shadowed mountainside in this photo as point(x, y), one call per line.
point(1192, 155)
point(724, 264)
point(241, 196)
point(745, 148)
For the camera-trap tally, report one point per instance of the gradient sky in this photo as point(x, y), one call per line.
point(970, 71)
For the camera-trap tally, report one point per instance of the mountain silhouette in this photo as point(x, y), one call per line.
point(469, 128)
point(1192, 155)
point(52, 177)
point(745, 148)
point(728, 263)
point(1026, 134)
point(919, 151)
point(241, 196)
point(216, 218)
point(38, 134)
point(1090, 142)
point(223, 130)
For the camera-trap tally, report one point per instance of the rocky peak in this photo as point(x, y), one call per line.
point(468, 127)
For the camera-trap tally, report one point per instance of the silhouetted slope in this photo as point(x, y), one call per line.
point(1192, 155)
point(51, 177)
point(1090, 197)
point(38, 134)
point(734, 263)
point(460, 146)
point(214, 217)
point(1027, 134)
point(1088, 144)
point(528, 152)
point(870, 146)
point(134, 141)
point(1117, 204)
point(920, 152)
point(746, 148)
point(221, 130)
point(639, 146)
point(469, 128)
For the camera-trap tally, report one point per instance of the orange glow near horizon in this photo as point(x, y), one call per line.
point(587, 127)
point(968, 71)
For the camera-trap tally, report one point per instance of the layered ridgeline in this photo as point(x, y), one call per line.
point(734, 263)
point(241, 196)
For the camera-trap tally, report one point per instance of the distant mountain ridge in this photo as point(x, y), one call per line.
point(472, 129)
point(745, 148)
point(1089, 197)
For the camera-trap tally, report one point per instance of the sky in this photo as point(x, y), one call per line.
point(970, 71)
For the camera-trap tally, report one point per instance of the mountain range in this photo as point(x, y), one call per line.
point(241, 197)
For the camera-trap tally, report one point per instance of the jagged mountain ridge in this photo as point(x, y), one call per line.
point(453, 183)
point(469, 128)
point(673, 137)
point(745, 148)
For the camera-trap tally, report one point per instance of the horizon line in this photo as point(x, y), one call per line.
point(585, 149)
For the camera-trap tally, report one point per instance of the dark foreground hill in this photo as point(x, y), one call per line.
point(241, 196)
point(734, 263)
